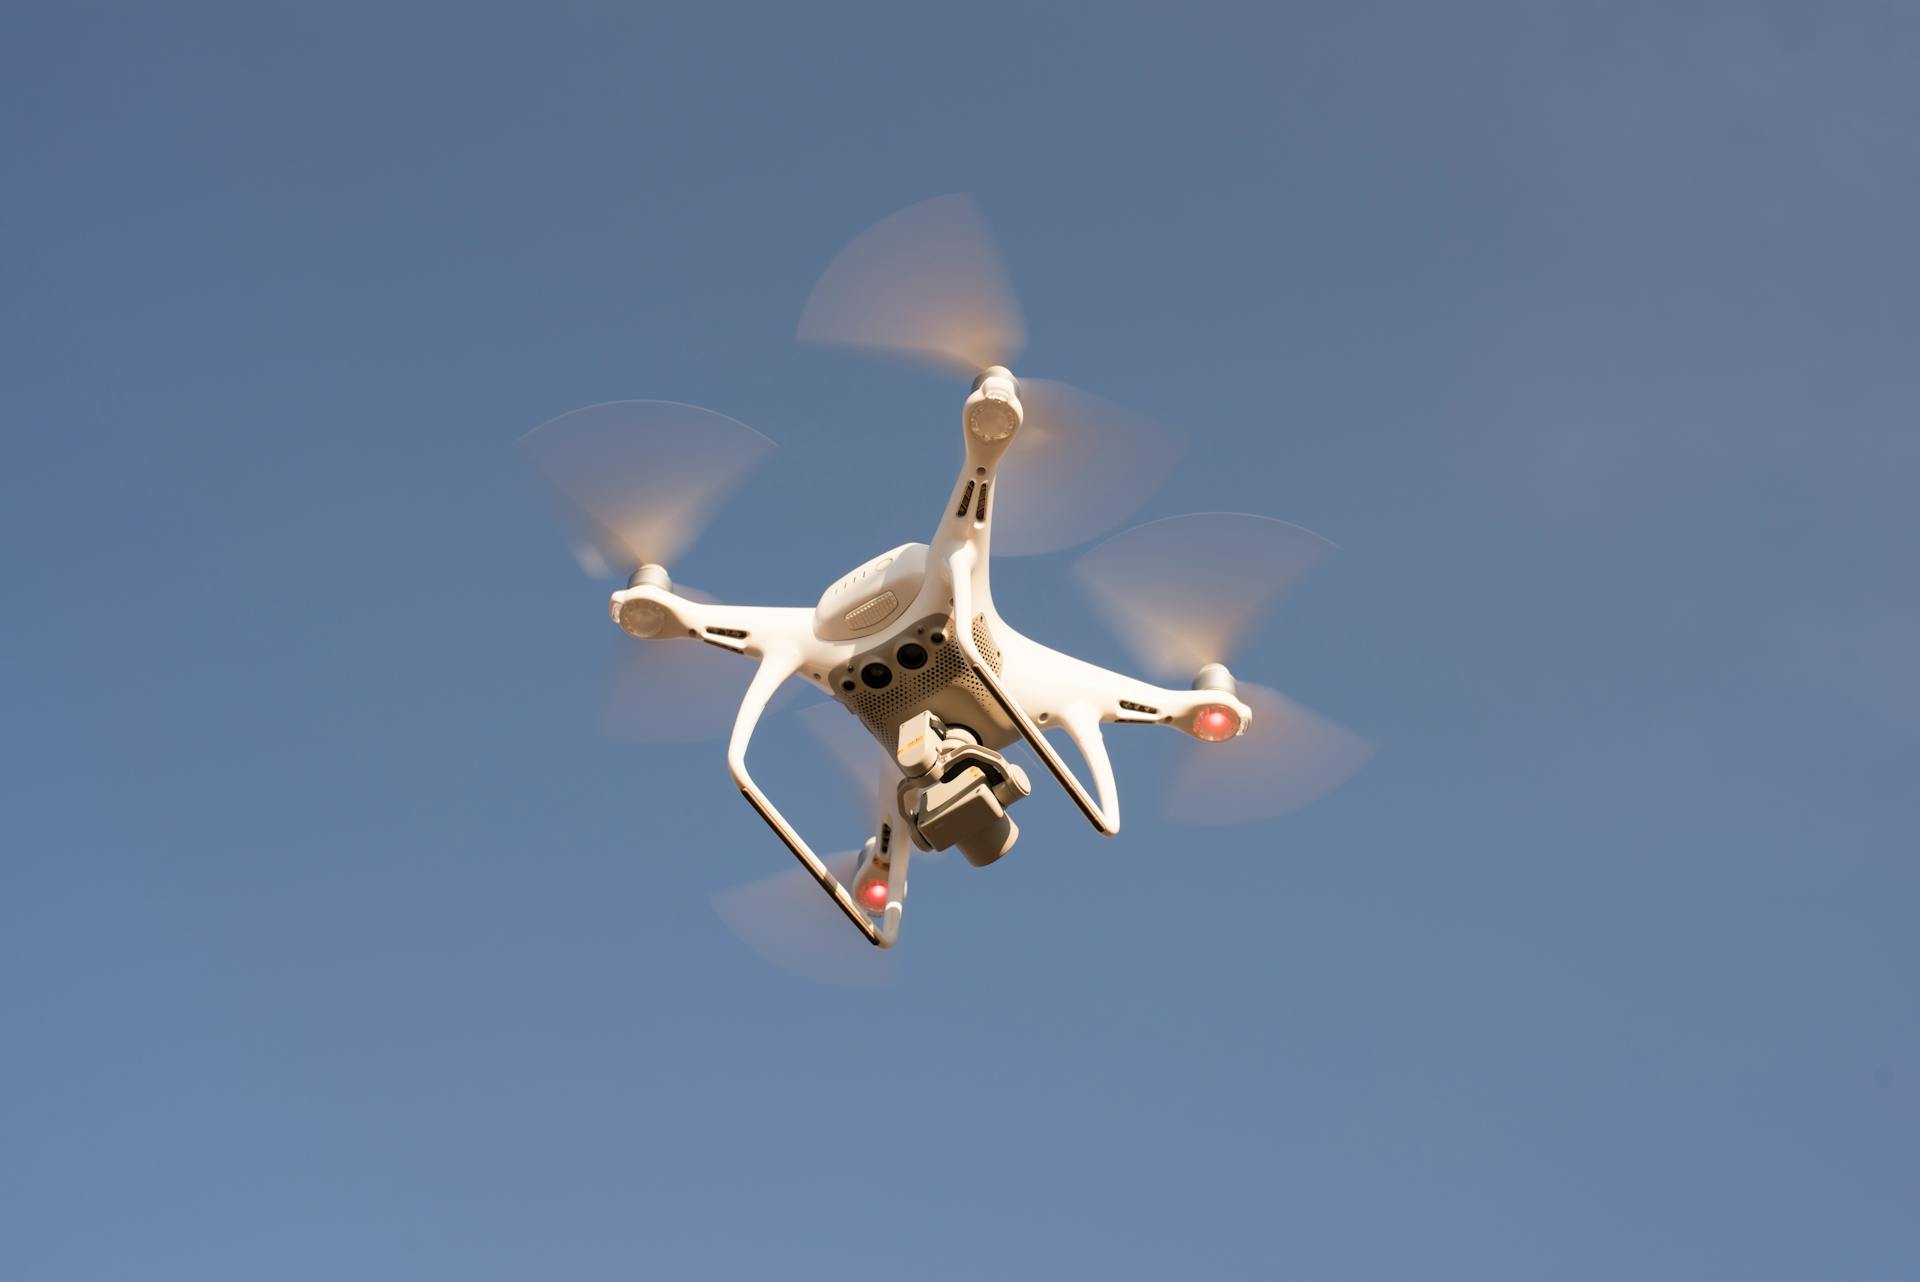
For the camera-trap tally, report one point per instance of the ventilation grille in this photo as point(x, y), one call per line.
point(983, 641)
point(869, 613)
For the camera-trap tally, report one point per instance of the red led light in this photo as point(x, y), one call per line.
point(1216, 723)
point(877, 894)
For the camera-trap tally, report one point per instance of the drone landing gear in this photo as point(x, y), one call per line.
point(775, 667)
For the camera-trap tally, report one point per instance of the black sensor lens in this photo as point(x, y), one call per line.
point(911, 655)
point(876, 675)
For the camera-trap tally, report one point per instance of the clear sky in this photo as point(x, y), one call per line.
point(336, 941)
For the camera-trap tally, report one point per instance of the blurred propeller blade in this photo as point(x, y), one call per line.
point(642, 477)
point(1184, 591)
point(678, 689)
point(926, 283)
point(788, 920)
point(1079, 467)
point(674, 691)
point(1288, 757)
point(858, 754)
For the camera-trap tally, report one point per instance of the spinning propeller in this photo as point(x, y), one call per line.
point(680, 691)
point(640, 480)
point(1183, 593)
point(928, 285)
point(789, 922)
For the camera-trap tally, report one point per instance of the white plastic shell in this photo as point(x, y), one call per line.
point(872, 596)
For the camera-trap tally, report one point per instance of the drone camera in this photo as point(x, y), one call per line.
point(956, 792)
point(966, 812)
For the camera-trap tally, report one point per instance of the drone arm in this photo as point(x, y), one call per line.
point(1071, 690)
point(775, 667)
point(1104, 814)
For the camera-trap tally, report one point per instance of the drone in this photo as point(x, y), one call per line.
point(910, 643)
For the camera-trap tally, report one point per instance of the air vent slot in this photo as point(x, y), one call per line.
point(966, 497)
point(980, 508)
point(871, 614)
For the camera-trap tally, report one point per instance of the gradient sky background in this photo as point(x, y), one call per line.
point(336, 941)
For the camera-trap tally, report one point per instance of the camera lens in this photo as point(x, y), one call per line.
point(911, 655)
point(876, 675)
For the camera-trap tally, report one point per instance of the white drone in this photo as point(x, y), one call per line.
point(910, 643)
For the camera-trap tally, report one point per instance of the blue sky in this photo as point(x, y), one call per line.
point(336, 941)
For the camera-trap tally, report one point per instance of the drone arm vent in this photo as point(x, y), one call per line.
point(1104, 814)
point(775, 667)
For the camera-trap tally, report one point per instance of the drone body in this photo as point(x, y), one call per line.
point(911, 643)
point(915, 632)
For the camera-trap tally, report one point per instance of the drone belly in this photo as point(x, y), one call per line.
point(919, 668)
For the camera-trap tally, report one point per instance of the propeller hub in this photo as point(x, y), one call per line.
point(640, 616)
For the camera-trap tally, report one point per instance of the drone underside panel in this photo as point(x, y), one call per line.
point(941, 682)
